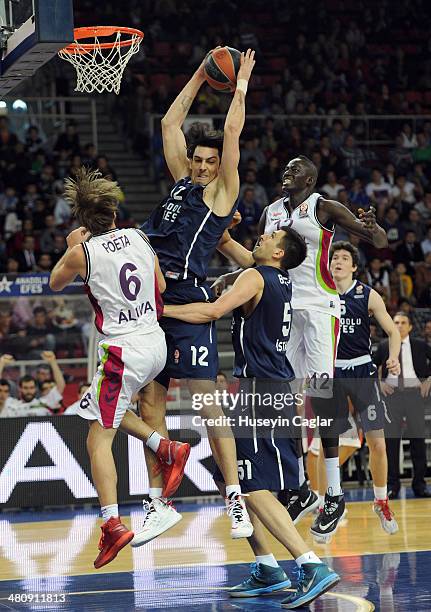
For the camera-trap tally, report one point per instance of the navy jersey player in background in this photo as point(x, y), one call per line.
point(267, 458)
point(184, 231)
point(356, 374)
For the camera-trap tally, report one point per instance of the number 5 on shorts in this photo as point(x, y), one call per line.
point(244, 463)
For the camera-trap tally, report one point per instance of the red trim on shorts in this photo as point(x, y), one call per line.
point(110, 388)
point(159, 299)
point(324, 259)
point(98, 321)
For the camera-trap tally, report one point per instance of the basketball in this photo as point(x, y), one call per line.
point(221, 68)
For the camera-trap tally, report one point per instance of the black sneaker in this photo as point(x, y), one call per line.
point(326, 523)
point(301, 503)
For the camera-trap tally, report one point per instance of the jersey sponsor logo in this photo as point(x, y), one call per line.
point(358, 297)
point(303, 209)
point(173, 275)
point(171, 211)
point(276, 214)
point(281, 346)
point(116, 244)
point(359, 289)
point(348, 324)
point(176, 356)
point(133, 314)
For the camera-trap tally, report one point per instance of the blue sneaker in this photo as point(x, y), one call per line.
point(314, 579)
point(264, 579)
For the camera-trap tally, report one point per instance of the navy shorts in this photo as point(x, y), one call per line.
point(361, 384)
point(191, 349)
point(266, 455)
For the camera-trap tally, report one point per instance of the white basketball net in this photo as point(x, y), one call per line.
point(101, 69)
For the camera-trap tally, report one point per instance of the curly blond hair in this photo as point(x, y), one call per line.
point(94, 199)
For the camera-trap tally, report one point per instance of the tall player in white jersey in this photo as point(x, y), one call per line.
point(316, 308)
point(122, 278)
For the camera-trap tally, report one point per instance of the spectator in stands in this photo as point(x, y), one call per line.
point(44, 263)
point(378, 277)
point(427, 332)
point(332, 187)
point(68, 140)
point(426, 244)
point(401, 282)
point(250, 182)
point(72, 409)
point(408, 138)
point(405, 398)
point(59, 247)
point(252, 150)
point(40, 333)
point(400, 156)
point(423, 276)
point(337, 136)
point(47, 238)
point(12, 265)
point(403, 191)
point(33, 141)
point(394, 228)
point(424, 208)
point(104, 168)
point(27, 257)
point(378, 190)
point(409, 252)
point(62, 212)
point(422, 152)
point(352, 156)
point(414, 224)
point(30, 404)
point(357, 195)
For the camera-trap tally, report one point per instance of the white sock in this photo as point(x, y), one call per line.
point(321, 501)
point(109, 511)
point(236, 489)
point(154, 441)
point(154, 492)
point(269, 560)
point(333, 475)
point(308, 557)
point(301, 470)
point(380, 492)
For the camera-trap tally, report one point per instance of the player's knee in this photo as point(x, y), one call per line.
point(377, 445)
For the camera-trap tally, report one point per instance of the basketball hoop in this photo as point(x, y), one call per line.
point(100, 64)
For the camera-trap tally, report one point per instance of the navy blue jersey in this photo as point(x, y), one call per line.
point(184, 232)
point(260, 340)
point(354, 338)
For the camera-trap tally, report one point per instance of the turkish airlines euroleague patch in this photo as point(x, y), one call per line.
point(303, 210)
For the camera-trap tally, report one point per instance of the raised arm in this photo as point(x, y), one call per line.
point(57, 374)
point(73, 262)
point(365, 226)
point(248, 285)
point(377, 306)
point(174, 142)
point(233, 126)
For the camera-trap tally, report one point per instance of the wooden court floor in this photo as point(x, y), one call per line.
point(193, 564)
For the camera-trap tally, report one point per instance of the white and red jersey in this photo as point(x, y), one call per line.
point(121, 282)
point(313, 287)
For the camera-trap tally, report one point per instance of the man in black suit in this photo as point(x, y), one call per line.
point(409, 252)
point(406, 396)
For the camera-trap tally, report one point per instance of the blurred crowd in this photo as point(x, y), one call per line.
point(34, 216)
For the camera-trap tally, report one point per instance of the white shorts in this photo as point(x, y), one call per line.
point(348, 438)
point(312, 348)
point(126, 365)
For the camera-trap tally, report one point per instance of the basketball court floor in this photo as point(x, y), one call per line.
point(50, 554)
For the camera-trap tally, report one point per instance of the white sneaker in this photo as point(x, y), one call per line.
point(386, 516)
point(236, 510)
point(160, 517)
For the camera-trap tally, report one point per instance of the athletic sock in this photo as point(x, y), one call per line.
point(301, 470)
point(321, 501)
point(333, 475)
point(154, 492)
point(380, 492)
point(154, 441)
point(308, 557)
point(269, 560)
point(233, 489)
point(110, 511)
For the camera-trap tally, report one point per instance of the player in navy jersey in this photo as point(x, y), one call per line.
point(355, 373)
point(184, 230)
point(267, 457)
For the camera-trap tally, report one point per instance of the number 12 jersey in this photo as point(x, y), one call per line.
point(121, 282)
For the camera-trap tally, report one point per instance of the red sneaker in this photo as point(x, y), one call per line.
point(173, 457)
point(114, 537)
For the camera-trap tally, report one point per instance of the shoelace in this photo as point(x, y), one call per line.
point(384, 506)
point(329, 507)
point(235, 508)
point(299, 576)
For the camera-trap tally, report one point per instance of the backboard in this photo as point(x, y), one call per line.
point(32, 32)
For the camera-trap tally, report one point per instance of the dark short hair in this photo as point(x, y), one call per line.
point(221, 373)
point(401, 313)
point(343, 245)
point(199, 136)
point(4, 383)
point(295, 248)
point(39, 309)
point(26, 378)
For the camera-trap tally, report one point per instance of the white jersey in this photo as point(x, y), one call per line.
point(121, 282)
point(312, 285)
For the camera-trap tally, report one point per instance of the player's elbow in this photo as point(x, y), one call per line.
point(54, 283)
point(216, 313)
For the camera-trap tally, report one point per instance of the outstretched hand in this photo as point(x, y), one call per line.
point(368, 218)
point(247, 64)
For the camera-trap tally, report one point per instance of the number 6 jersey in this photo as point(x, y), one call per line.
point(121, 282)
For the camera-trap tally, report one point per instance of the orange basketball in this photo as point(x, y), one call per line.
point(221, 67)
